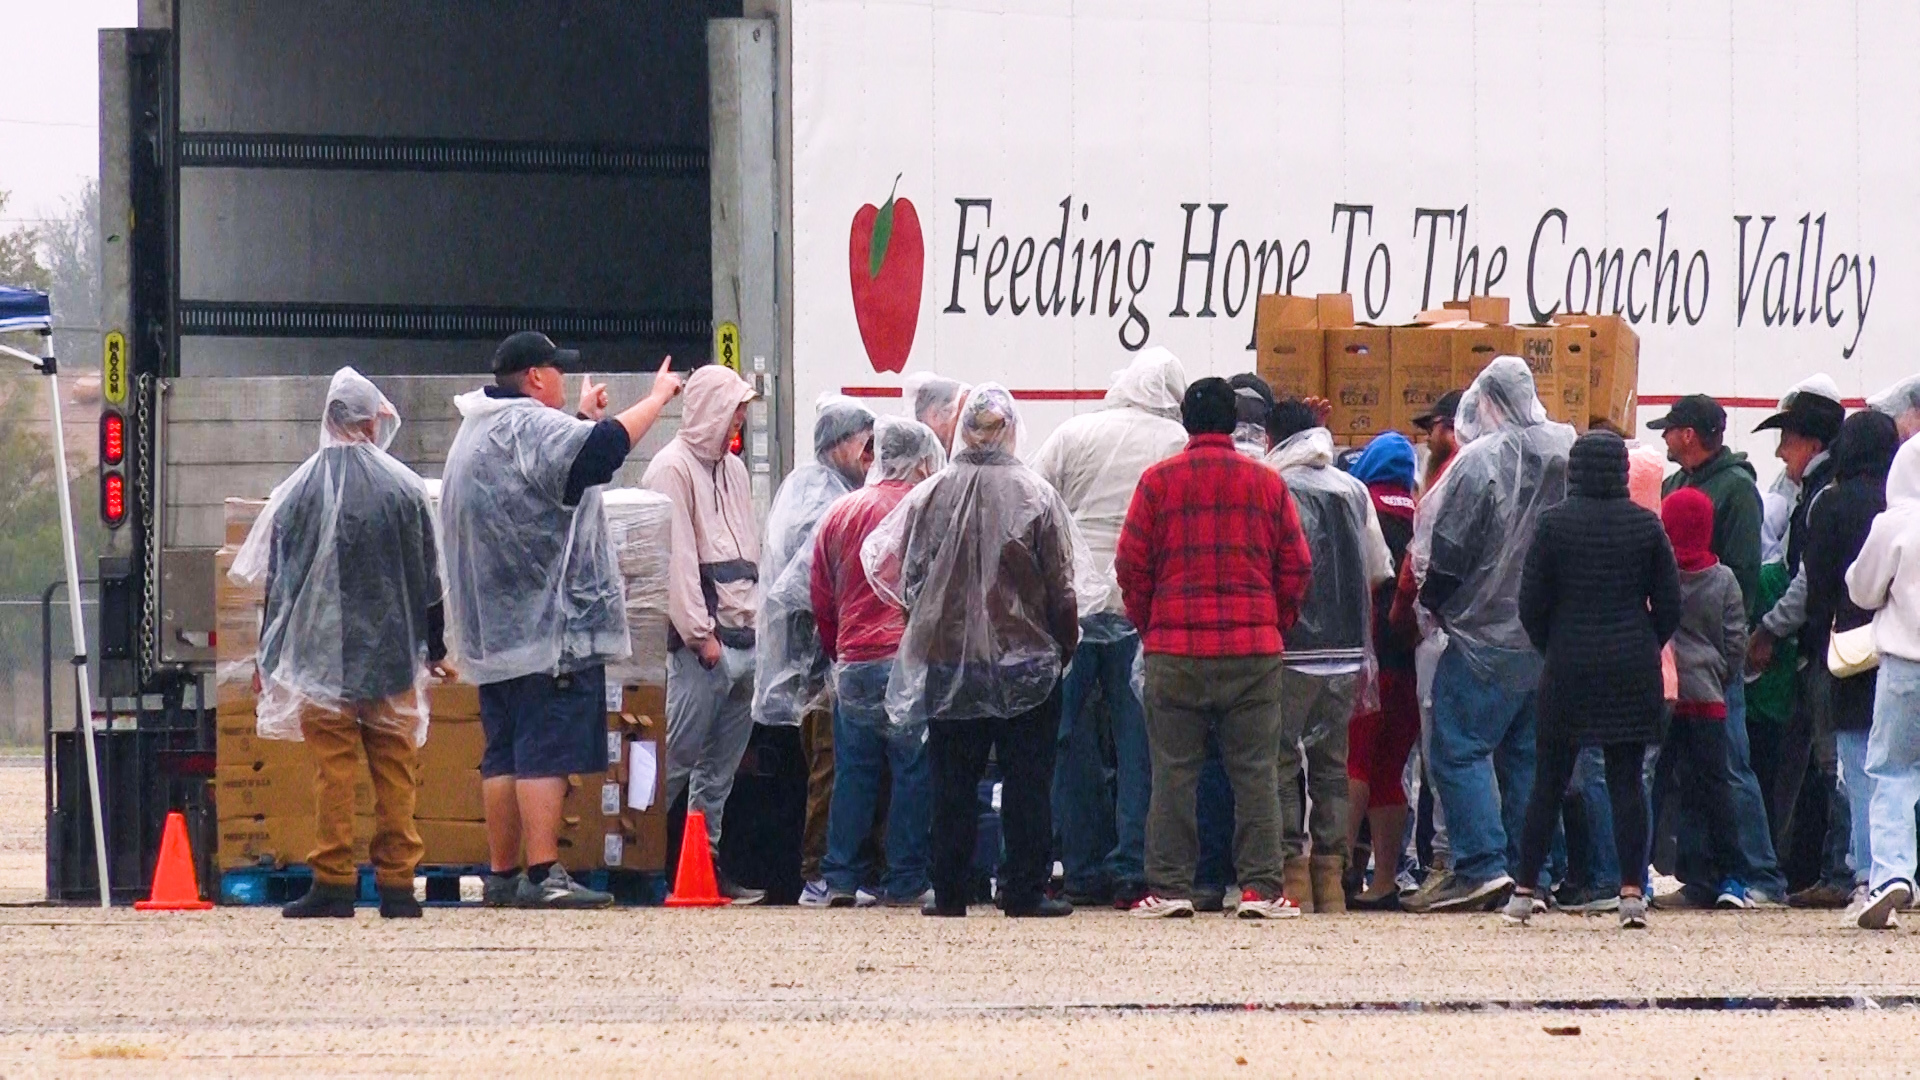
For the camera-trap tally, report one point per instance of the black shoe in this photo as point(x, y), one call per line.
point(1360, 902)
point(1098, 896)
point(322, 902)
point(934, 909)
point(1047, 908)
point(1127, 894)
point(398, 903)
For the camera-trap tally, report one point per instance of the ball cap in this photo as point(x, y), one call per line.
point(1696, 411)
point(530, 349)
point(1443, 408)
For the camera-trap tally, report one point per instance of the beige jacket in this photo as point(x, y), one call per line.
point(712, 586)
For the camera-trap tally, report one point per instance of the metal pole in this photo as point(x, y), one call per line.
point(76, 623)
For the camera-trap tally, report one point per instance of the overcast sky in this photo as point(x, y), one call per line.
point(50, 100)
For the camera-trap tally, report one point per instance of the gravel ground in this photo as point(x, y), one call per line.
point(886, 993)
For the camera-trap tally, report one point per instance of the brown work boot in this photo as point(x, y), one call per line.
point(1329, 885)
point(1297, 882)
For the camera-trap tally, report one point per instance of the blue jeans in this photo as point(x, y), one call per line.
point(1893, 763)
point(1851, 748)
point(864, 740)
point(1483, 760)
point(1594, 863)
point(1754, 836)
point(1102, 834)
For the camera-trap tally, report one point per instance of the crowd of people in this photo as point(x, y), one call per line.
point(1211, 659)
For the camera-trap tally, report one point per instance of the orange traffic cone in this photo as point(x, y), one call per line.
point(694, 885)
point(175, 886)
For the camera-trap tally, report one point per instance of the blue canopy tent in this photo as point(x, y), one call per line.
point(28, 310)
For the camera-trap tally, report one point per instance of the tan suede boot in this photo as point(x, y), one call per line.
point(1329, 891)
point(1297, 883)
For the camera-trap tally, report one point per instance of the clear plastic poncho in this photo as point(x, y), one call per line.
point(789, 668)
point(533, 585)
point(904, 450)
point(935, 401)
point(1902, 402)
point(1331, 503)
point(1095, 462)
point(1477, 523)
point(986, 563)
point(347, 553)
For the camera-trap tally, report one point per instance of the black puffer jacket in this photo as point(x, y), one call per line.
point(1838, 521)
point(1599, 598)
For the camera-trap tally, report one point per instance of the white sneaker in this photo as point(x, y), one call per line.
point(1877, 913)
point(1160, 907)
point(1255, 906)
point(864, 899)
point(815, 894)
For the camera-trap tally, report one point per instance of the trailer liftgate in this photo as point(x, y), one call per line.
point(289, 186)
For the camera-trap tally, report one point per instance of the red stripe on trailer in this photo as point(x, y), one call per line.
point(1767, 403)
point(1019, 395)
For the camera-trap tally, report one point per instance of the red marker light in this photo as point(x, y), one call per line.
point(113, 438)
point(113, 499)
point(737, 444)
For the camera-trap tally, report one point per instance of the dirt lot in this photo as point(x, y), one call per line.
point(888, 994)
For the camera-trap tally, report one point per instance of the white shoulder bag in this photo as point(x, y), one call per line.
point(1852, 652)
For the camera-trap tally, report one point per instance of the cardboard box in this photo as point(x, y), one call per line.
point(1613, 378)
point(453, 843)
point(1493, 310)
point(278, 842)
point(240, 516)
point(452, 748)
point(237, 744)
point(245, 791)
point(1289, 347)
point(453, 703)
point(1539, 346)
point(1573, 352)
point(1359, 380)
point(639, 844)
point(1474, 346)
point(1420, 373)
point(450, 796)
point(645, 700)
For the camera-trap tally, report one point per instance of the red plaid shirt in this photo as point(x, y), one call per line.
point(1211, 560)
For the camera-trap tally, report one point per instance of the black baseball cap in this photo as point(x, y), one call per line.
point(1808, 414)
point(1443, 409)
point(1696, 411)
point(530, 349)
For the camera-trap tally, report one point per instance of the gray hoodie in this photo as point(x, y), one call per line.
point(1712, 639)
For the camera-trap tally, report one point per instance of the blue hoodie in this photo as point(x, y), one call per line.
point(1388, 459)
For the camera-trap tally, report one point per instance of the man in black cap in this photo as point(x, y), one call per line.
point(536, 598)
point(1437, 422)
point(1695, 432)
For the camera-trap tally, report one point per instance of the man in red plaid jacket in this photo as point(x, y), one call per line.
point(1212, 565)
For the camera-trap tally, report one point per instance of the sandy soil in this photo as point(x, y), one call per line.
point(887, 993)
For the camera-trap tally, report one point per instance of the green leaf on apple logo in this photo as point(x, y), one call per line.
point(882, 233)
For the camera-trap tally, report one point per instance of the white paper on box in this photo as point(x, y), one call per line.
point(609, 799)
point(614, 850)
point(643, 770)
point(613, 696)
point(614, 743)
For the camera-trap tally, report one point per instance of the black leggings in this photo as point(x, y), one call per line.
point(1625, 789)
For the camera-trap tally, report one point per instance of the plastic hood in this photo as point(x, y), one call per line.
point(352, 404)
point(1903, 483)
point(1502, 398)
point(1312, 449)
point(706, 416)
point(1155, 382)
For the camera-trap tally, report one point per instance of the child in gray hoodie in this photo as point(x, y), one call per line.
point(1707, 650)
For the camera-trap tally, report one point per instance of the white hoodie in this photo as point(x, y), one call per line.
point(1885, 579)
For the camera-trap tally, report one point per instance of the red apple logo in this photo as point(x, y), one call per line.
point(885, 260)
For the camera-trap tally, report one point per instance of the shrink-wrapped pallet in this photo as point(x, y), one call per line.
point(641, 523)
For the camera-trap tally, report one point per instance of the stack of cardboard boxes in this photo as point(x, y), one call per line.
point(263, 788)
point(1379, 378)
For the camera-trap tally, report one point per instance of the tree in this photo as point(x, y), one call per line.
point(62, 259)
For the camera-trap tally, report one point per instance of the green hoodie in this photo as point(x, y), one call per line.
point(1728, 481)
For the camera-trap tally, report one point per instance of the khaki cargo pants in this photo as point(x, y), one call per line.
point(334, 737)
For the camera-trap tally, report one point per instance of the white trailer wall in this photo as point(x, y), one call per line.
point(1547, 130)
